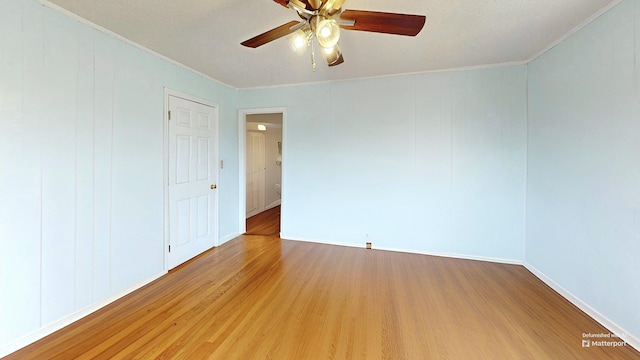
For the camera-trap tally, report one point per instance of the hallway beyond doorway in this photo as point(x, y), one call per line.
point(267, 223)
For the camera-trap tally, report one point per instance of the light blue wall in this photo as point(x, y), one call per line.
point(431, 163)
point(583, 184)
point(81, 159)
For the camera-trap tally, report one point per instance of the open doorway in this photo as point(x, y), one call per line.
point(261, 163)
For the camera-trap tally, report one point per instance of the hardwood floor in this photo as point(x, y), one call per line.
point(266, 223)
point(259, 297)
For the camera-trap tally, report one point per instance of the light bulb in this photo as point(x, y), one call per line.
point(327, 33)
point(332, 55)
point(299, 40)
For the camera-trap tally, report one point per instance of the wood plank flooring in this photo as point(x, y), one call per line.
point(266, 223)
point(259, 297)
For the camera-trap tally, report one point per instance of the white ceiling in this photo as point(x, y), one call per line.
point(205, 35)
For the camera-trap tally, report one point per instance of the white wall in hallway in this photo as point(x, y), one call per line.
point(273, 170)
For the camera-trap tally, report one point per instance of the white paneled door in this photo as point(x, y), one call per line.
point(192, 179)
point(255, 173)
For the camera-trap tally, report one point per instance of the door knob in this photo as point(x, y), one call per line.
point(214, 186)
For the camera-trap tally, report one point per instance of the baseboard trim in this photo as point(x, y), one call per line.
point(301, 239)
point(439, 254)
point(53, 327)
point(272, 205)
point(18, 344)
point(267, 207)
point(597, 316)
point(226, 238)
point(459, 256)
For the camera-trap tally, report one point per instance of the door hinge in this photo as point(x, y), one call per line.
point(169, 114)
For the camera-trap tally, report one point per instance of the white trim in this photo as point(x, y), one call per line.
point(242, 160)
point(301, 239)
point(575, 30)
point(526, 169)
point(267, 207)
point(438, 254)
point(273, 204)
point(242, 172)
point(252, 214)
point(228, 237)
point(165, 168)
point(415, 73)
point(171, 92)
point(597, 316)
point(95, 26)
point(458, 256)
point(28, 339)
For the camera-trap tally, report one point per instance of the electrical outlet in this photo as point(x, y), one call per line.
point(368, 245)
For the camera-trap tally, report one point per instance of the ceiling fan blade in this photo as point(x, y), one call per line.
point(338, 62)
point(271, 35)
point(284, 3)
point(382, 22)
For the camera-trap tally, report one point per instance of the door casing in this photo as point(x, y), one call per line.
point(165, 164)
point(242, 163)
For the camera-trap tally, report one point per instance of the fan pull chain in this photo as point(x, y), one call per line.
point(313, 57)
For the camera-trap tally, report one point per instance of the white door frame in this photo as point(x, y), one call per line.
point(165, 165)
point(242, 161)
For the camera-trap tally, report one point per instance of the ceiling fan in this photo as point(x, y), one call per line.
point(323, 19)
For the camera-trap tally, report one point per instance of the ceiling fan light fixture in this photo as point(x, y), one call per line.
point(332, 54)
point(327, 32)
point(300, 39)
point(324, 19)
